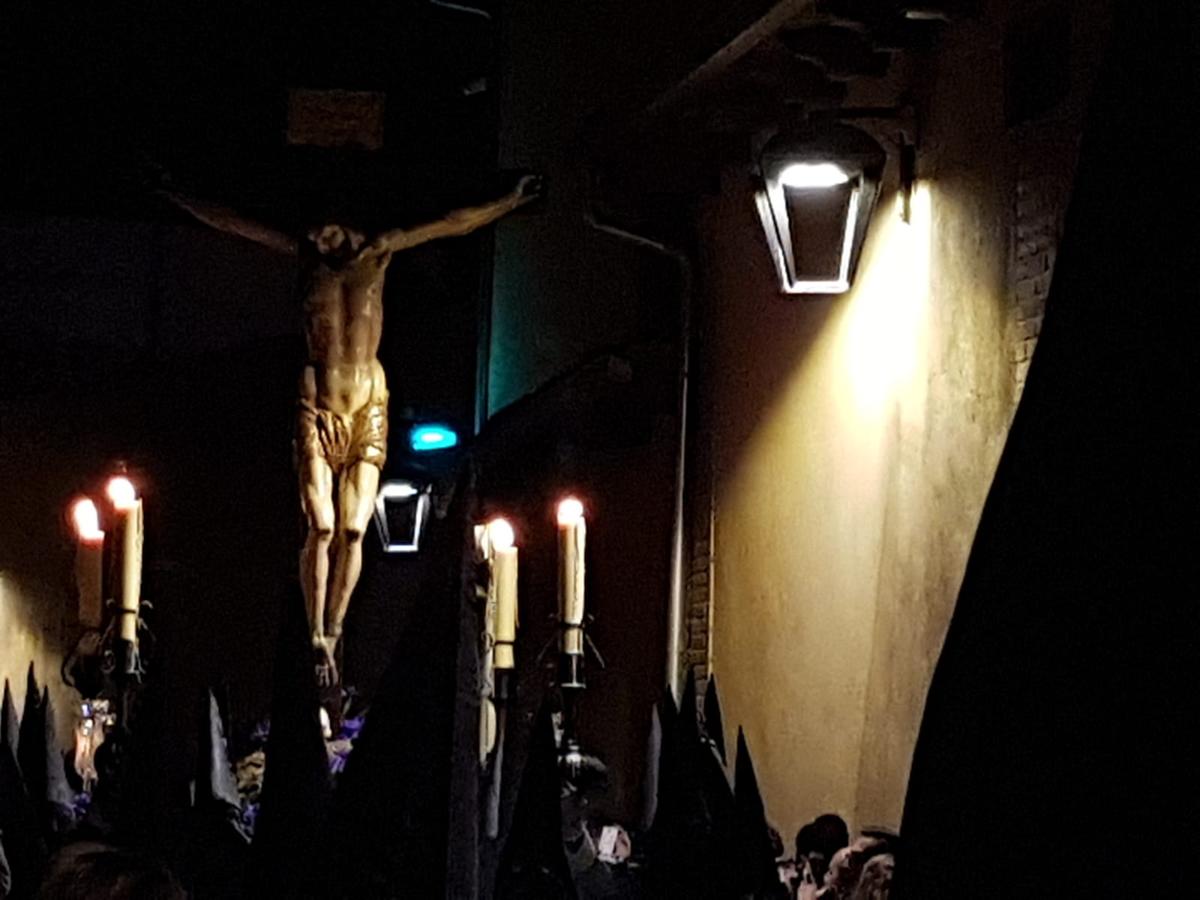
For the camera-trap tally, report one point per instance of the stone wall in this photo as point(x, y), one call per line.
point(33, 630)
point(855, 437)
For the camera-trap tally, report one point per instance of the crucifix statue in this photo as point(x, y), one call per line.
point(342, 402)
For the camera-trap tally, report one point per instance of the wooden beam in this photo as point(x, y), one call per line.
point(766, 25)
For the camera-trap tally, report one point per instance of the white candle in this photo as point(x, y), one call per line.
point(572, 537)
point(131, 575)
point(89, 562)
point(504, 575)
point(495, 541)
point(130, 527)
point(500, 613)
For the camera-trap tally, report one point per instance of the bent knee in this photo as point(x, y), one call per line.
point(352, 535)
point(321, 532)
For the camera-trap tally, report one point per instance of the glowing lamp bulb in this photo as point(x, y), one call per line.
point(87, 520)
point(423, 438)
point(397, 490)
point(121, 492)
point(813, 175)
point(570, 511)
point(500, 534)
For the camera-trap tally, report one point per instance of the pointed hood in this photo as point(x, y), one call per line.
point(290, 840)
point(217, 832)
point(1065, 680)
point(667, 773)
point(215, 780)
point(13, 794)
point(10, 724)
point(22, 834)
point(668, 711)
point(688, 725)
point(653, 761)
point(668, 721)
point(690, 841)
point(714, 726)
point(31, 747)
point(58, 791)
point(753, 833)
point(534, 863)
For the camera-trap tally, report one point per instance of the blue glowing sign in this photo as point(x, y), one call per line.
point(432, 437)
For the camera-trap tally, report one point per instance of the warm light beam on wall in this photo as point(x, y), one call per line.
point(885, 324)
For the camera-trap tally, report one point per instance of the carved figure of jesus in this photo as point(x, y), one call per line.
point(342, 404)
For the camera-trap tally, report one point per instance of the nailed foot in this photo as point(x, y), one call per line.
point(326, 668)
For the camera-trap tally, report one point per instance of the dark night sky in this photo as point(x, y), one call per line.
point(202, 90)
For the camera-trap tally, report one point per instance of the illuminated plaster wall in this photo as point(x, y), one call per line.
point(27, 635)
point(855, 439)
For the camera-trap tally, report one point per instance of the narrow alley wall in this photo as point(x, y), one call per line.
point(855, 437)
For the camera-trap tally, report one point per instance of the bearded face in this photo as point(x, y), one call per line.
point(337, 240)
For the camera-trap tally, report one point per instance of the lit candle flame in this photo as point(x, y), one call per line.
point(121, 492)
point(570, 511)
point(500, 534)
point(87, 520)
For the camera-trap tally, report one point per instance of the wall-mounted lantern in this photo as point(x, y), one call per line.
point(401, 508)
point(818, 189)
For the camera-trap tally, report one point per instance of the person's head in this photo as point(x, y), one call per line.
point(868, 846)
point(819, 840)
point(87, 870)
point(875, 882)
point(806, 878)
point(844, 870)
point(825, 835)
point(830, 833)
point(889, 841)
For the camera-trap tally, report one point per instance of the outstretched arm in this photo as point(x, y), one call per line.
point(224, 219)
point(460, 221)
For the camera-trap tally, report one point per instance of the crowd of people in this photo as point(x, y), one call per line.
point(828, 865)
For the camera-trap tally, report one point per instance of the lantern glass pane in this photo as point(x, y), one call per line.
point(400, 511)
point(817, 223)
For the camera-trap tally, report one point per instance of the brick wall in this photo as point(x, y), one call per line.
point(698, 549)
point(1051, 54)
point(698, 602)
point(1045, 161)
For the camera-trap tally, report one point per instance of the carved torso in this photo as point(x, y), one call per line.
point(343, 324)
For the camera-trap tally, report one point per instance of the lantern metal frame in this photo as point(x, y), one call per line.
point(402, 489)
point(858, 158)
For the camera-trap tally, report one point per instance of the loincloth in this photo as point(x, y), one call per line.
point(342, 440)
